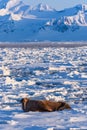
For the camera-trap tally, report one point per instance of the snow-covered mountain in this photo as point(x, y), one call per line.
point(21, 22)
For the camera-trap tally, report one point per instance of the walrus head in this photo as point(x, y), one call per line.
point(24, 102)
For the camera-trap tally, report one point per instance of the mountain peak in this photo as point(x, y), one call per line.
point(82, 7)
point(13, 3)
point(43, 7)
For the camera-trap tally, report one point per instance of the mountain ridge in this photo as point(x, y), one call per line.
point(21, 22)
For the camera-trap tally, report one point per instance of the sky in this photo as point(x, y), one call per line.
point(57, 4)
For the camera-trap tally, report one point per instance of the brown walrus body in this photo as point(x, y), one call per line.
point(43, 105)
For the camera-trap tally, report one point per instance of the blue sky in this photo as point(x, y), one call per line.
point(57, 4)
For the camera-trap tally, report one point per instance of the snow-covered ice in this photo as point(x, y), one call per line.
point(43, 73)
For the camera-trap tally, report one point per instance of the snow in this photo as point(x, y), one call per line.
point(41, 23)
point(53, 73)
point(3, 12)
point(12, 3)
point(62, 68)
point(42, 7)
point(16, 17)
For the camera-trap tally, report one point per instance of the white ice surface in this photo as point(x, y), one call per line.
point(43, 73)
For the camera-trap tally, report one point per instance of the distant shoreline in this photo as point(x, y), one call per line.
point(42, 44)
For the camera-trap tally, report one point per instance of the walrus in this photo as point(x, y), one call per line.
point(43, 105)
